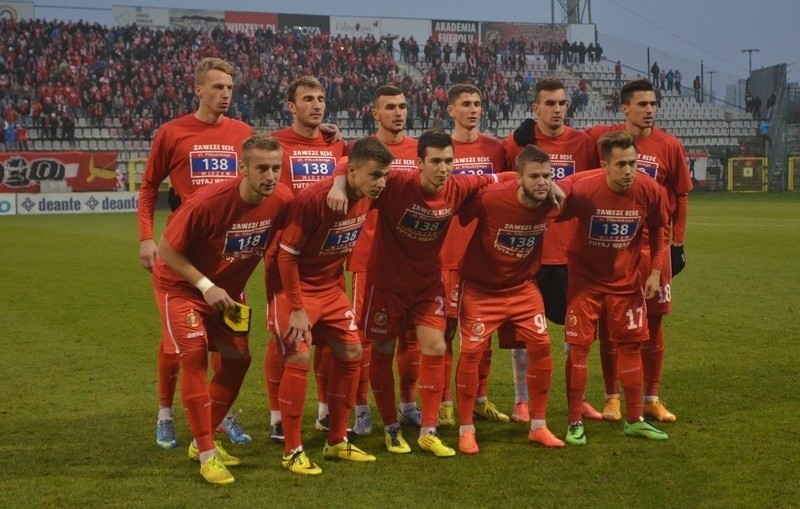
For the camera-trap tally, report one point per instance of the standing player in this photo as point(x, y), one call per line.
point(662, 157)
point(475, 154)
point(390, 111)
point(512, 219)
point(404, 285)
point(570, 151)
point(193, 151)
point(604, 258)
point(207, 252)
point(307, 158)
point(309, 302)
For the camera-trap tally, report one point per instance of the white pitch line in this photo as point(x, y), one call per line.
point(795, 224)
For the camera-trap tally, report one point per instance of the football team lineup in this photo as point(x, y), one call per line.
point(451, 316)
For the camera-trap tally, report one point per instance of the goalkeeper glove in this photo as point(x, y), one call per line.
point(525, 134)
point(678, 258)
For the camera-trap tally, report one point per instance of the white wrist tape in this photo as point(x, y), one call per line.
point(204, 285)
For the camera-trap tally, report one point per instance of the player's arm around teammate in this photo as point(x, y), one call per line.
point(309, 303)
point(604, 258)
point(511, 221)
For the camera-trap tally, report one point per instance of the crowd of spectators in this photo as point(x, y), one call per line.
point(52, 72)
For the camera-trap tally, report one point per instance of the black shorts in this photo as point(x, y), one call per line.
point(173, 199)
point(552, 281)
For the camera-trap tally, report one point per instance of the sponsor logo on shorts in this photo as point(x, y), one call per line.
point(378, 331)
point(380, 318)
point(197, 334)
point(478, 328)
point(475, 339)
point(192, 319)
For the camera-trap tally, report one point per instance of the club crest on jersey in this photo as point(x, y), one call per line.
point(380, 318)
point(572, 320)
point(478, 328)
point(192, 319)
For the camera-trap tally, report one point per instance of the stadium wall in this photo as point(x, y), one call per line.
point(16, 10)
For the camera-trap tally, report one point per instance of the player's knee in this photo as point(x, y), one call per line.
point(302, 358)
point(539, 354)
point(384, 347)
point(228, 351)
point(350, 352)
point(470, 359)
point(578, 355)
point(435, 346)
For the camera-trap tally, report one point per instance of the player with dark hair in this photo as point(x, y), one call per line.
point(193, 151)
point(512, 219)
point(612, 206)
point(475, 154)
point(308, 156)
point(404, 285)
point(308, 301)
point(208, 250)
point(390, 111)
point(571, 151)
point(662, 157)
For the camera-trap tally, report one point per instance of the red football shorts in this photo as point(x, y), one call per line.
point(661, 304)
point(626, 315)
point(518, 311)
point(188, 323)
point(452, 285)
point(385, 314)
point(329, 312)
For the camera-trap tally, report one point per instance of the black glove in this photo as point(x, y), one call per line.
point(678, 258)
point(525, 134)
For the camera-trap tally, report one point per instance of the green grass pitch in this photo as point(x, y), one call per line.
point(79, 329)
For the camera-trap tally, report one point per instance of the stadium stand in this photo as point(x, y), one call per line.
point(83, 86)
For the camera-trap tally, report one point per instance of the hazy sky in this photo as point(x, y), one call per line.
point(679, 32)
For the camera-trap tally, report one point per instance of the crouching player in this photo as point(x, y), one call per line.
point(208, 250)
point(308, 301)
point(498, 271)
point(613, 208)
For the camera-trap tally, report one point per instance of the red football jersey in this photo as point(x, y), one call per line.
point(484, 156)
point(306, 160)
point(571, 152)
point(605, 253)
point(405, 154)
point(662, 157)
point(319, 240)
point(411, 226)
point(192, 154)
point(221, 235)
point(506, 248)
point(405, 159)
